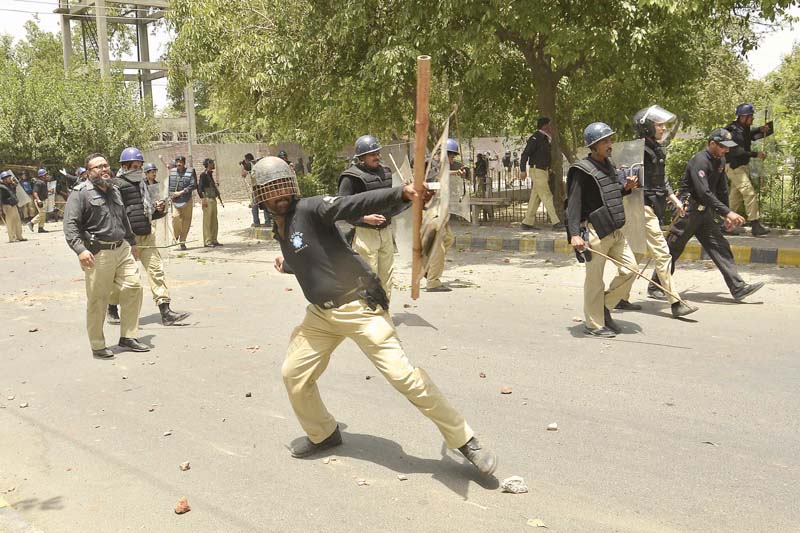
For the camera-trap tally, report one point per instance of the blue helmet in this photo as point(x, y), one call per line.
point(148, 167)
point(41, 172)
point(366, 144)
point(745, 109)
point(595, 132)
point(5, 174)
point(452, 146)
point(79, 171)
point(131, 154)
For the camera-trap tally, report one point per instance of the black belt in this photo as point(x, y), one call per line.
point(341, 300)
point(97, 245)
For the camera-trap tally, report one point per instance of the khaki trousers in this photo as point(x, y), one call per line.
point(376, 247)
point(29, 210)
point(112, 269)
point(540, 192)
point(742, 191)
point(41, 214)
point(595, 297)
point(310, 351)
point(182, 221)
point(210, 222)
point(436, 261)
point(658, 248)
point(13, 223)
point(150, 258)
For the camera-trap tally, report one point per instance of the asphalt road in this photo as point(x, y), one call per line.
point(673, 426)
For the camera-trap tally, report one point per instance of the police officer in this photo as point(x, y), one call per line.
point(182, 182)
point(373, 238)
point(98, 231)
point(537, 155)
point(40, 194)
point(650, 124)
point(142, 209)
point(347, 301)
point(29, 209)
point(80, 177)
point(438, 254)
point(738, 165)
point(704, 181)
point(8, 199)
point(209, 192)
point(595, 216)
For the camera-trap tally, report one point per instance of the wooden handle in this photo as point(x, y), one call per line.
point(420, 147)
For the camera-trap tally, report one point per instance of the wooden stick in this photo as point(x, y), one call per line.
point(420, 146)
point(635, 270)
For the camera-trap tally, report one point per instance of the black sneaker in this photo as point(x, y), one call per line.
point(482, 458)
point(600, 332)
point(625, 305)
point(758, 230)
point(680, 309)
point(112, 316)
point(103, 353)
point(526, 227)
point(133, 345)
point(307, 448)
point(183, 247)
point(655, 293)
point(440, 288)
point(610, 324)
point(747, 290)
point(42, 230)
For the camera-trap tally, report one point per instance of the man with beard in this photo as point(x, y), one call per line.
point(595, 216)
point(347, 301)
point(373, 239)
point(97, 229)
point(142, 209)
point(182, 182)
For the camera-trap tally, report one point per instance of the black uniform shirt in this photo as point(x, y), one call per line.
point(7, 196)
point(40, 188)
point(743, 136)
point(705, 180)
point(207, 182)
point(314, 249)
point(92, 212)
point(585, 197)
point(537, 150)
point(349, 185)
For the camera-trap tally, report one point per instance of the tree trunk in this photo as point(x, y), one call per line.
point(546, 87)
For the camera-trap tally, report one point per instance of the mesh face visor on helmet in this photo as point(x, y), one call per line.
point(657, 115)
point(273, 178)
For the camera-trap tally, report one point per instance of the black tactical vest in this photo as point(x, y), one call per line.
point(134, 206)
point(381, 179)
point(9, 198)
point(611, 216)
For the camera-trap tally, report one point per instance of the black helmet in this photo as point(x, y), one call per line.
point(596, 131)
point(644, 120)
point(283, 155)
point(745, 109)
point(366, 144)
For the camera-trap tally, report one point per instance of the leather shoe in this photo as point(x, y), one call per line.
point(757, 229)
point(610, 324)
point(526, 227)
point(600, 332)
point(655, 293)
point(625, 305)
point(133, 345)
point(440, 288)
point(112, 316)
point(103, 353)
point(306, 447)
point(680, 309)
point(747, 290)
point(484, 459)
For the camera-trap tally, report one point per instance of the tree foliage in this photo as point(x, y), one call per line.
point(51, 118)
point(324, 72)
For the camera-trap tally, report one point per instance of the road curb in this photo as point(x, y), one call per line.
point(532, 243)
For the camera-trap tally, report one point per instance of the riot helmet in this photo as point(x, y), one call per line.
point(644, 120)
point(131, 154)
point(273, 178)
point(745, 109)
point(6, 174)
point(41, 172)
point(283, 155)
point(596, 131)
point(452, 146)
point(148, 167)
point(366, 144)
point(80, 171)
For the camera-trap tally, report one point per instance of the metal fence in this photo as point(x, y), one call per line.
point(779, 200)
point(502, 198)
